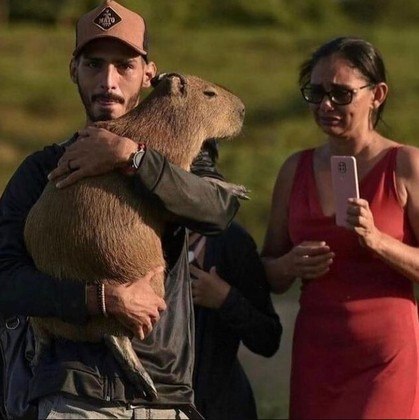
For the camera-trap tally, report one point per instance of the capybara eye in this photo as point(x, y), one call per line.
point(210, 93)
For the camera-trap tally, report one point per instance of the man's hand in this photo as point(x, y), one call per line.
point(95, 152)
point(208, 289)
point(135, 305)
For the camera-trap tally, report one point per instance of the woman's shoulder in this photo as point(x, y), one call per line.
point(288, 169)
point(407, 160)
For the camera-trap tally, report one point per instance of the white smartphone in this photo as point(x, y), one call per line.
point(345, 185)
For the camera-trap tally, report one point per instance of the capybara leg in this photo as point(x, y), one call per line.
point(42, 341)
point(131, 365)
point(239, 191)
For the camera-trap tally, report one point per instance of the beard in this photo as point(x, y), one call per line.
point(106, 115)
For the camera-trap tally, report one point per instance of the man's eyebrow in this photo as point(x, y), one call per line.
point(127, 60)
point(92, 57)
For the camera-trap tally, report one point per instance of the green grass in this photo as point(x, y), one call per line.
point(40, 105)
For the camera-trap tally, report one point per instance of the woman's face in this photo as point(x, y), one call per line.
point(335, 73)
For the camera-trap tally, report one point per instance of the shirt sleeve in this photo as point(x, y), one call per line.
point(24, 289)
point(193, 202)
point(248, 309)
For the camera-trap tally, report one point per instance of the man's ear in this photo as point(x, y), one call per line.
point(150, 70)
point(73, 70)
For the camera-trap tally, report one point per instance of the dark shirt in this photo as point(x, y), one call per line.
point(222, 389)
point(89, 369)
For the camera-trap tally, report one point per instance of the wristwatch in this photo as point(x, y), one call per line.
point(135, 160)
point(137, 156)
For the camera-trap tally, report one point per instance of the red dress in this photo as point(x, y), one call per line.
point(355, 350)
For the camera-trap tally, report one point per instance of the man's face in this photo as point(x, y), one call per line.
point(110, 76)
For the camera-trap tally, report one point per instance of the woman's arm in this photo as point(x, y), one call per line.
point(283, 262)
point(277, 244)
point(404, 258)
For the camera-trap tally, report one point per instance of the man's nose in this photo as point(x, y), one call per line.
point(109, 77)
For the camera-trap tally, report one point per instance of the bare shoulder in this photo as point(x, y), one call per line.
point(407, 174)
point(408, 163)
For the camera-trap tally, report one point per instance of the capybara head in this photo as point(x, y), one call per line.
point(179, 115)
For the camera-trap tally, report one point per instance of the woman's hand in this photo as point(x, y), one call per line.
point(361, 221)
point(309, 259)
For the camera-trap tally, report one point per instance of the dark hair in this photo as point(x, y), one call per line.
point(205, 164)
point(360, 53)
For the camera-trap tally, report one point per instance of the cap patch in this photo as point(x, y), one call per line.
point(107, 19)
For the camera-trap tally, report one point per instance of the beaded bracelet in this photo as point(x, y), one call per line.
point(101, 299)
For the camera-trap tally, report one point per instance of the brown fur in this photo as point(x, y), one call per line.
point(98, 228)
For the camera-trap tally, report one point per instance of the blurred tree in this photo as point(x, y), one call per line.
point(295, 14)
point(42, 11)
point(395, 12)
point(71, 10)
point(318, 11)
point(4, 11)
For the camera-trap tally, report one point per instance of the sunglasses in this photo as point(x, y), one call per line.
point(314, 94)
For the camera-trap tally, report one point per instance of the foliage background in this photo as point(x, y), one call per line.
point(252, 47)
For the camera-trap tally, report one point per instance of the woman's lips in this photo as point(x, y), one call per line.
point(323, 120)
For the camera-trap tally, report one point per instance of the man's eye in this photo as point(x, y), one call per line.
point(93, 64)
point(125, 66)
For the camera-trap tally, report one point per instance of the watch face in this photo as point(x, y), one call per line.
point(136, 160)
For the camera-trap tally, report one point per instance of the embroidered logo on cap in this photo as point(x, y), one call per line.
point(107, 19)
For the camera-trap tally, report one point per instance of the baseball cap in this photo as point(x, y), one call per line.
point(114, 21)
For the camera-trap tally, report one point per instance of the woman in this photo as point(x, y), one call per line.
point(355, 350)
point(232, 305)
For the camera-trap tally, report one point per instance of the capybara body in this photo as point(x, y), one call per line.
point(100, 229)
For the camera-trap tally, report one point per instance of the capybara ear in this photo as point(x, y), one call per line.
point(157, 79)
point(177, 84)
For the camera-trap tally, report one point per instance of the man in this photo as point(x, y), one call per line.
point(110, 66)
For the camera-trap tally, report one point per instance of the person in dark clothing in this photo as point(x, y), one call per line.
point(80, 380)
point(232, 305)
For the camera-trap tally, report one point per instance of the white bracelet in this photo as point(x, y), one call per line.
point(101, 298)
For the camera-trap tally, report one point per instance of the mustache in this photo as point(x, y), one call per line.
point(108, 97)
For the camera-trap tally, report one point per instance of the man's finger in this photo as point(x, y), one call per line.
point(57, 172)
point(70, 179)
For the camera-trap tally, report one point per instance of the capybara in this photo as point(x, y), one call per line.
point(98, 228)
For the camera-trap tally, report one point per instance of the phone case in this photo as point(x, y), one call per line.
point(345, 185)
